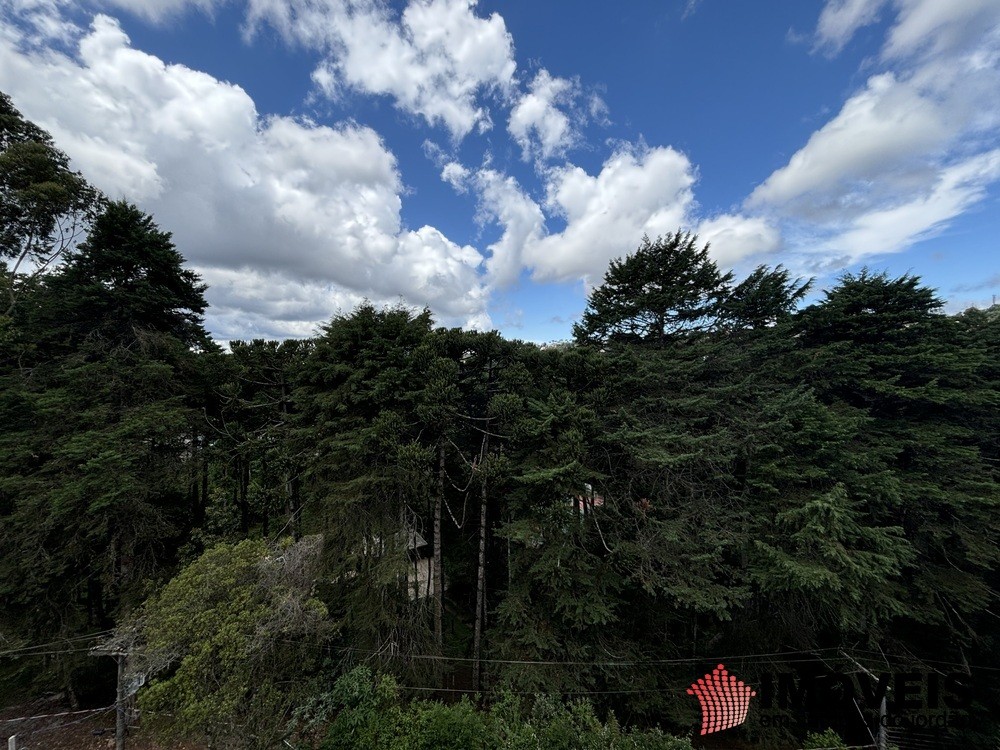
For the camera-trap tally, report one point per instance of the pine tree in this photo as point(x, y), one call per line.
point(97, 460)
point(882, 347)
point(369, 471)
point(667, 287)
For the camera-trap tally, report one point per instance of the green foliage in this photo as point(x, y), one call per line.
point(231, 641)
point(363, 712)
point(881, 348)
point(828, 740)
point(707, 471)
point(826, 551)
point(368, 470)
point(126, 277)
point(763, 298)
point(667, 286)
point(44, 206)
point(100, 407)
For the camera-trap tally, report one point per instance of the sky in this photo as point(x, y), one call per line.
point(488, 159)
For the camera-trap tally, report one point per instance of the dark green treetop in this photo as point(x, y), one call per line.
point(668, 286)
point(127, 277)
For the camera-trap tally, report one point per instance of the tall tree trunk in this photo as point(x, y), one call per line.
point(477, 639)
point(437, 571)
point(297, 506)
point(203, 503)
point(244, 482)
point(291, 482)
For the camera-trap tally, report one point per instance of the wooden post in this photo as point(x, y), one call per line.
point(120, 705)
point(882, 726)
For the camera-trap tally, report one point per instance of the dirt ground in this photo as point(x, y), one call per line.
point(75, 731)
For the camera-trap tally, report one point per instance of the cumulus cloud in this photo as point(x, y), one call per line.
point(436, 60)
point(503, 201)
point(455, 175)
point(538, 122)
point(639, 190)
point(285, 214)
point(734, 237)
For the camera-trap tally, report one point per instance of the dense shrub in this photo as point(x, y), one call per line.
point(363, 712)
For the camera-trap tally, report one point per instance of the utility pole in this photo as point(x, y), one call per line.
point(881, 739)
point(12, 742)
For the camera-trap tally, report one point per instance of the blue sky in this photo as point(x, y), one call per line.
point(488, 159)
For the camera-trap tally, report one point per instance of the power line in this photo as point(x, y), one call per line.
point(27, 650)
point(503, 691)
point(33, 732)
point(51, 716)
point(879, 656)
point(791, 657)
point(803, 656)
point(574, 663)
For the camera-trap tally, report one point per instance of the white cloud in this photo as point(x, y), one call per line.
point(908, 153)
point(841, 19)
point(893, 228)
point(316, 209)
point(455, 175)
point(734, 238)
point(38, 22)
point(937, 27)
point(248, 303)
point(502, 200)
point(158, 11)
point(884, 130)
point(931, 26)
point(435, 60)
point(638, 191)
point(537, 121)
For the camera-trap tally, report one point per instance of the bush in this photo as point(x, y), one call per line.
point(363, 712)
point(820, 740)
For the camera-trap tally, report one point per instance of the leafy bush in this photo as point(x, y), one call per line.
point(822, 740)
point(231, 642)
point(363, 712)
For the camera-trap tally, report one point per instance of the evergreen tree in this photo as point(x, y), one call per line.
point(369, 473)
point(96, 463)
point(126, 281)
point(765, 297)
point(882, 348)
point(259, 467)
point(668, 286)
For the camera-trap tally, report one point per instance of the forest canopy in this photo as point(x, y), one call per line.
point(301, 540)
